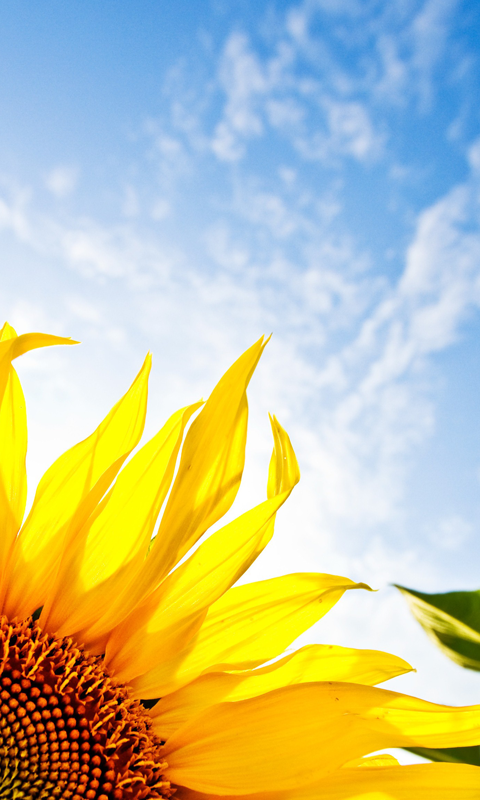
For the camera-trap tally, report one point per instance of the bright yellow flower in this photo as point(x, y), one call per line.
point(99, 621)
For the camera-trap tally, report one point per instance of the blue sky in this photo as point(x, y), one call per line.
point(183, 177)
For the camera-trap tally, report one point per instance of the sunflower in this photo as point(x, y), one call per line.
point(131, 665)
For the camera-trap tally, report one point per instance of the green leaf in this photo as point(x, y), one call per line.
point(452, 620)
point(455, 755)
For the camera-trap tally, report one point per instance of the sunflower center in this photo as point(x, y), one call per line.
point(67, 730)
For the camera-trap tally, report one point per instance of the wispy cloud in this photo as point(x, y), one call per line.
point(62, 180)
point(271, 92)
point(370, 393)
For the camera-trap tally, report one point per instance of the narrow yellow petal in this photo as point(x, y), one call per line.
point(66, 496)
point(7, 332)
point(316, 662)
point(210, 469)
point(13, 346)
point(177, 608)
point(249, 625)
point(284, 472)
point(33, 341)
point(13, 438)
point(413, 782)
point(99, 572)
point(13, 476)
point(300, 734)
point(380, 760)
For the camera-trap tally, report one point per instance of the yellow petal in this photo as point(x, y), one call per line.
point(66, 496)
point(33, 341)
point(300, 734)
point(413, 782)
point(7, 332)
point(13, 346)
point(249, 625)
point(13, 438)
point(283, 472)
point(99, 572)
point(13, 476)
point(380, 760)
point(177, 608)
point(210, 469)
point(316, 662)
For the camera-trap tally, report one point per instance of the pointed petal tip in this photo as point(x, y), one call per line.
point(365, 586)
point(262, 341)
point(7, 331)
point(53, 338)
point(146, 367)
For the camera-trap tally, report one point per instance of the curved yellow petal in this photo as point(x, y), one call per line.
point(210, 469)
point(315, 662)
point(13, 346)
point(283, 472)
point(13, 476)
point(33, 341)
point(99, 571)
point(177, 608)
point(68, 493)
point(371, 782)
point(249, 625)
point(13, 438)
point(300, 734)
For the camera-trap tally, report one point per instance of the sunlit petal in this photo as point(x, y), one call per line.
point(319, 725)
point(372, 782)
point(13, 475)
point(249, 625)
point(99, 571)
point(210, 469)
point(311, 663)
point(68, 493)
point(175, 611)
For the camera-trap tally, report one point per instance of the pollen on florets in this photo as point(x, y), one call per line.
point(67, 730)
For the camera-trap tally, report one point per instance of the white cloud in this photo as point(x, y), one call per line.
point(350, 350)
point(474, 156)
point(392, 82)
point(407, 44)
point(350, 132)
point(429, 30)
point(443, 267)
point(380, 410)
point(243, 81)
point(285, 113)
point(317, 84)
point(263, 90)
point(62, 180)
point(224, 250)
point(97, 251)
point(13, 209)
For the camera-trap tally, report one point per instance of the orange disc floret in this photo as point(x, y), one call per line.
point(67, 730)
